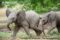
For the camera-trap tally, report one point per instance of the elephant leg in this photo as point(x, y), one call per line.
point(44, 35)
point(26, 28)
point(8, 26)
point(27, 31)
point(43, 32)
point(52, 27)
point(16, 29)
point(38, 32)
point(41, 28)
point(51, 30)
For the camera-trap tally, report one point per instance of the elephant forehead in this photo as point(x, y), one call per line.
point(12, 15)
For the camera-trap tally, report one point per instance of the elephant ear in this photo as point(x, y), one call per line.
point(8, 11)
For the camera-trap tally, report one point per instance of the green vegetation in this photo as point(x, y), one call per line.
point(37, 5)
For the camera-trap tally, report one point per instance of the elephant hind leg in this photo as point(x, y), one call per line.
point(38, 32)
point(27, 31)
point(26, 28)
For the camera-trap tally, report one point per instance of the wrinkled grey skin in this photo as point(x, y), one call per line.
point(15, 17)
point(42, 22)
point(33, 20)
point(49, 18)
point(27, 20)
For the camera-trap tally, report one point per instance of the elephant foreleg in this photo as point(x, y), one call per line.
point(16, 29)
point(26, 28)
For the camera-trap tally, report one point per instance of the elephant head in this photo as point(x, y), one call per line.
point(43, 20)
point(12, 16)
point(47, 18)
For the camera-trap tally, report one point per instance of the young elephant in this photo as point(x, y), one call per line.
point(56, 17)
point(13, 18)
point(42, 22)
point(33, 20)
point(49, 18)
point(23, 19)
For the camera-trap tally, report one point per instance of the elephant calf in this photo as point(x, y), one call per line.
point(27, 20)
point(49, 18)
point(33, 20)
point(16, 17)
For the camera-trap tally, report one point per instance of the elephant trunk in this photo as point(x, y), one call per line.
point(8, 24)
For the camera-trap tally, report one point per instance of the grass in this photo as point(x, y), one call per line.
point(6, 35)
point(23, 34)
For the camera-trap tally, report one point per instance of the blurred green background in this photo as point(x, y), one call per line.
point(37, 5)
